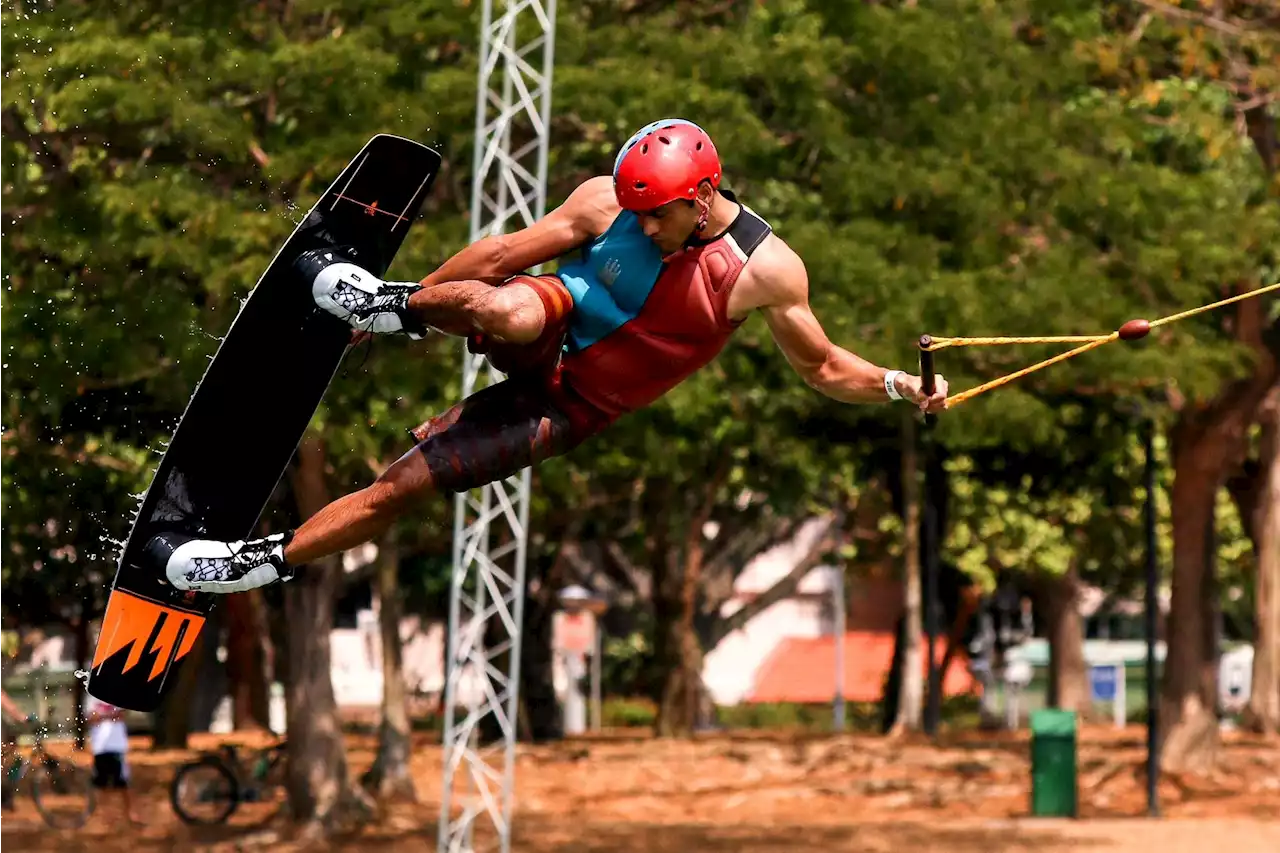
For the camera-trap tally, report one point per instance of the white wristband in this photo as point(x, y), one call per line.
point(889, 387)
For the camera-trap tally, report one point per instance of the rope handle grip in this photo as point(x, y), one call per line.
point(927, 383)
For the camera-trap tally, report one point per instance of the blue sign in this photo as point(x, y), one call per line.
point(1102, 682)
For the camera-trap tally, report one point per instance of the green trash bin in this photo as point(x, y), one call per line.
point(1054, 790)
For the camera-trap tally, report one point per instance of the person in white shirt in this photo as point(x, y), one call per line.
point(109, 741)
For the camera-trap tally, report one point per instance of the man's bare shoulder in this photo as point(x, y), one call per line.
point(774, 275)
point(593, 204)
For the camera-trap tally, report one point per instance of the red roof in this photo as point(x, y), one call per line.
point(801, 669)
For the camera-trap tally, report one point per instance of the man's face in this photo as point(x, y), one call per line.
point(671, 225)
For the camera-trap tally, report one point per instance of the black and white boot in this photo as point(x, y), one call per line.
point(206, 565)
point(357, 296)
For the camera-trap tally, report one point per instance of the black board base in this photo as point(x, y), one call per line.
point(246, 418)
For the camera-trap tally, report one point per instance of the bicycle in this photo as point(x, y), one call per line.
point(222, 781)
point(61, 789)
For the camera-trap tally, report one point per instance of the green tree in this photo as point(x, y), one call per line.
point(158, 157)
point(1209, 75)
point(955, 169)
point(949, 169)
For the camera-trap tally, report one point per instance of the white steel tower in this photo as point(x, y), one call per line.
point(486, 599)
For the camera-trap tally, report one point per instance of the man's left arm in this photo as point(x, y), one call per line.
point(781, 291)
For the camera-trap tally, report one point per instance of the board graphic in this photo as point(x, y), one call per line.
point(247, 416)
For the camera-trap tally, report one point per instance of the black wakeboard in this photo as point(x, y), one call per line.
point(247, 417)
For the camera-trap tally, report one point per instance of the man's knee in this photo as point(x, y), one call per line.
point(522, 309)
point(513, 314)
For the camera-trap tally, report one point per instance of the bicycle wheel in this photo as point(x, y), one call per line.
point(204, 792)
point(63, 792)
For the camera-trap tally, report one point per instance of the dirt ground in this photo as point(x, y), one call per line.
point(752, 793)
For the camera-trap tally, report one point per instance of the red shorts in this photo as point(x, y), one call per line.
point(516, 423)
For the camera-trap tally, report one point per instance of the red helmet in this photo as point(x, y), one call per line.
point(664, 161)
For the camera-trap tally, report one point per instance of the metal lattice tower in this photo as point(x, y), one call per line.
point(486, 601)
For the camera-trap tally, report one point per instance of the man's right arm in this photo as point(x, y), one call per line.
point(585, 214)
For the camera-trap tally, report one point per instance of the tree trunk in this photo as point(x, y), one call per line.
point(321, 792)
point(911, 680)
point(1068, 677)
point(675, 630)
point(678, 710)
point(248, 660)
point(1263, 712)
point(678, 707)
point(389, 777)
point(537, 666)
point(1205, 442)
point(968, 601)
point(544, 579)
point(1189, 723)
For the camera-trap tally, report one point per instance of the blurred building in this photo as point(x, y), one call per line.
point(786, 652)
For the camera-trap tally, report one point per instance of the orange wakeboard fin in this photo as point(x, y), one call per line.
point(145, 626)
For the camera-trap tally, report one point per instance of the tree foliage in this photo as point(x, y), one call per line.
point(951, 167)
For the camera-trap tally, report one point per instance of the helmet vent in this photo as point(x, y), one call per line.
point(641, 185)
point(699, 146)
point(644, 149)
point(664, 140)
